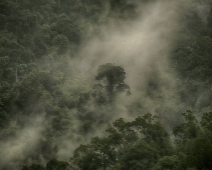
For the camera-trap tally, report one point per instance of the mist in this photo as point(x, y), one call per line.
point(142, 46)
point(13, 150)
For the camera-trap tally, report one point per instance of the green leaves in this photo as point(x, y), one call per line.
point(206, 121)
point(129, 145)
point(37, 40)
point(98, 154)
point(189, 129)
point(200, 153)
point(139, 156)
point(67, 27)
point(174, 162)
point(57, 165)
point(61, 42)
point(33, 167)
point(53, 164)
point(112, 77)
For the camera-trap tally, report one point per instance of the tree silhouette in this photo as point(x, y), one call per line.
point(112, 77)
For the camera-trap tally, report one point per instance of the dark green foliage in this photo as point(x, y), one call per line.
point(200, 153)
point(97, 154)
point(112, 78)
point(194, 141)
point(174, 162)
point(123, 8)
point(206, 121)
point(60, 42)
point(39, 38)
point(188, 130)
point(33, 167)
point(53, 164)
point(140, 156)
point(57, 165)
point(141, 144)
point(130, 145)
point(67, 27)
point(191, 56)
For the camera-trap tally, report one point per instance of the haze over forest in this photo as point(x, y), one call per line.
point(105, 85)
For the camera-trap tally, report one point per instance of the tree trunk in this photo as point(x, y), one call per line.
point(16, 74)
point(110, 90)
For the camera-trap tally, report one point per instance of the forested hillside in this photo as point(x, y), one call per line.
point(102, 85)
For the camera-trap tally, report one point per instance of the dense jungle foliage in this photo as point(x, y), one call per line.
point(53, 118)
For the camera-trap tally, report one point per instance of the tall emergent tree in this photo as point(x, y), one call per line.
point(111, 78)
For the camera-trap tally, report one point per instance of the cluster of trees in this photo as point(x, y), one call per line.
point(38, 39)
point(144, 144)
point(191, 56)
point(37, 80)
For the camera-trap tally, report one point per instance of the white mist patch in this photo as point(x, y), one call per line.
point(142, 47)
point(15, 149)
point(137, 46)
